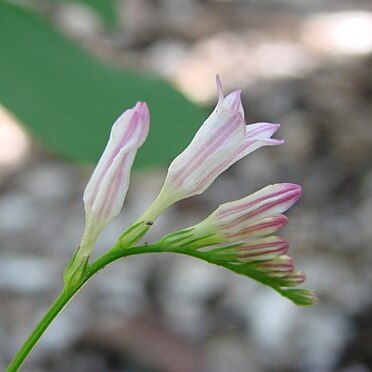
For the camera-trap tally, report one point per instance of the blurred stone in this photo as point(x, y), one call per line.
point(51, 183)
point(320, 337)
point(17, 213)
point(227, 353)
point(26, 274)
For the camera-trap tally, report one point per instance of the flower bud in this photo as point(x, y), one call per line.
point(278, 267)
point(223, 139)
point(293, 279)
point(262, 249)
point(106, 190)
point(305, 297)
point(256, 215)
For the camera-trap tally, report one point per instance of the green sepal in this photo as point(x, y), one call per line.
point(186, 239)
point(76, 271)
point(301, 296)
point(177, 239)
point(134, 233)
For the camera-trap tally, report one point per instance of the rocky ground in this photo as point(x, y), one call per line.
point(172, 313)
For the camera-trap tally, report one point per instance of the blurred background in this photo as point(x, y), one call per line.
point(68, 68)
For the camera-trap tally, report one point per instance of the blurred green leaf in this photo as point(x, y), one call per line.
point(69, 99)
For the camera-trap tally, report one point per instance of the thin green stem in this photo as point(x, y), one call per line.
point(66, 295)
point(57, 306)
point(116, 254)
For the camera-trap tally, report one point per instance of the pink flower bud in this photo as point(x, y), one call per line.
point(262, 227)
point(262, 249)
point(278, 267)
point(256, 215)
point(293, 279)
point(223, 139)
point(105, 192)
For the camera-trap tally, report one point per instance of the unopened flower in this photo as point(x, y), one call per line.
point(301, 296)
point(278, 267)
point(264, 249)
point(256, 215)
point(293, 279)
point(223, 139)
point(106, 190)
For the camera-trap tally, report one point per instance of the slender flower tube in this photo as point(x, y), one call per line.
point(223, 139)
point(106, 190)
point(265, 249)
point(257, 250)
point(293, 279)
point(278, 267)
point(256, 215)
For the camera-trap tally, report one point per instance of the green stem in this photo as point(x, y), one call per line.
point(66, 295)
point(57, 306)
point(116, 254)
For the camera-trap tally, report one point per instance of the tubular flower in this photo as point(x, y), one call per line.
point(256, 215)
point(223, 139)
point(262, 249)
point(106, 190)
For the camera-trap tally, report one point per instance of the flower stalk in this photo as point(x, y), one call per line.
point(238, 235)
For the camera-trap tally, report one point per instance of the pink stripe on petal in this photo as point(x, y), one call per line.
point(262, 256)
point(251, 144)
point(220, 92)
point(276, 192)
point(214, 143)
point(280, 264)
point(105, 192)
point(293, 279)
point(261, 130)
point(287, 201)
point(110, 194)
point(276, 222)
point(223, 139)
point(263, 227)
point(262, 247)
point(265, 243)
point(233, 102)
point(129, 130)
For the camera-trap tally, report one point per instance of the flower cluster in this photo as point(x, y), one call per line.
point(240, 233)
point(237, 235)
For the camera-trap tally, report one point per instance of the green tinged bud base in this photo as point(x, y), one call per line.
point(76, 271)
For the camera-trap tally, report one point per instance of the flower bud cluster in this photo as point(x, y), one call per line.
point(240, 232)
point(239, 235)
